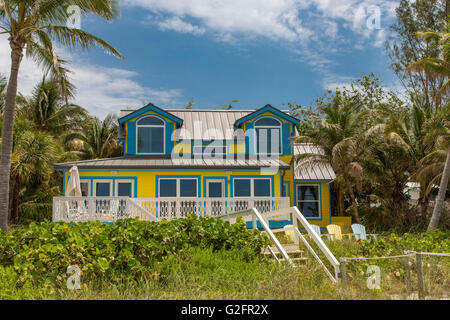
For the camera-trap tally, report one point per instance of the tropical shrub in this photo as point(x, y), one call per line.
point(127, 249)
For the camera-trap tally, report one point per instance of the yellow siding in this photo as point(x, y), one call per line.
point(146, 181)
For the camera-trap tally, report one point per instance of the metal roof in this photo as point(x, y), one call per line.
point(178, 163)
point(206, 124)
point(316, 171)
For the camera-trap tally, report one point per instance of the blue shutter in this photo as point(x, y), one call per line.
point(285, 138)
point(131, 138)
point(169, 131)
point(249, 139)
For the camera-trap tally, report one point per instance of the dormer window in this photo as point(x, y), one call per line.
point(150, 134)
point(268, 136)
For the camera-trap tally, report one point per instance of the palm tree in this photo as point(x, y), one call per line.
point(438, 67)
point(436, 164)
point(3, 84)
point(340, 137)
point(97, 139)
point(404, 133)
point(34, 153)
point(49, 111)
point(32, 27)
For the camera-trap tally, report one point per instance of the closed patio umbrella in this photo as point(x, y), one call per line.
point(74, 186)
point(75, 209)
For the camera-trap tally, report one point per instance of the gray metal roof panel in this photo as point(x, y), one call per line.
point(318, 171)
point(131, 162)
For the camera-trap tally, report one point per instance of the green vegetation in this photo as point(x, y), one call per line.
point(195, 259)
point(128, 248)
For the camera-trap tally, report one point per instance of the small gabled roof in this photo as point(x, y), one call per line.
point(151, 107)
point(266, 108)
point(304, 170)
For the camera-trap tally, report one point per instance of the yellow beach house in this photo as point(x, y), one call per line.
point(207, 162)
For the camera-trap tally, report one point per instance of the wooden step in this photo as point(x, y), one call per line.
point(295, 259)
point(276, 251)
point(287, 247)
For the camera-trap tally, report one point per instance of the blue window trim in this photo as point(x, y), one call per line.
point(197, 177)
point(268, 108)
point(153, 108)
point(205, 185)
point(317, 183)
point(255, 138)
point(164, 126)
point(103, 178)
point(232, 177)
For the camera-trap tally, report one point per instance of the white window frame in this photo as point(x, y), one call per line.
point(280, 126)
point(89, 186)
point(177, 186)
point(222, 182)
point(103, 181)
point(124, 181)
point(319, 200)
point(150, 126)
point(252, 187)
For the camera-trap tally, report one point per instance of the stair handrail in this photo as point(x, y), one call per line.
point(318, 240)
point(148, 215)
point(255, 212)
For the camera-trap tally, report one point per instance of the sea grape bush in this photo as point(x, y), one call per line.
point(128, 248)
point(391, 245)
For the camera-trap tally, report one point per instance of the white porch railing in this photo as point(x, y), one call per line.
point(108, 209)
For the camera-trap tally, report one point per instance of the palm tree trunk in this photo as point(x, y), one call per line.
point(352, 197)
point(439, 203)
point(341, 208)
point(7, 134)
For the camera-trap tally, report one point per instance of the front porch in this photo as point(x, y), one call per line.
point(109, 209)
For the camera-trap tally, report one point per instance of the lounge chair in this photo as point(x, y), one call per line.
point(336, 234)
point(359, 231)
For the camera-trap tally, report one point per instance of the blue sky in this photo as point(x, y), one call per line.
point(256, 51)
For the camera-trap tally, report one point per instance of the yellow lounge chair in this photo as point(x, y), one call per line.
point(336, 234)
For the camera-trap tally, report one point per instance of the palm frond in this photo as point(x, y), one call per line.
point(72, 37)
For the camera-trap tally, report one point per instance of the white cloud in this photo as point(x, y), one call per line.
point(100, 90)
point(270, 18)
point(176, 24)
point(289, 20)
point(313, 29)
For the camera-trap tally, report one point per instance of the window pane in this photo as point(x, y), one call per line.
point(102, 189)
point(274, 141)
point(150, 140)
point(261, 187)
point(151, 121)
point(309, 209)
point(309, 193)
point(215, 189)
point(124, 189)
point(85, 189)
point(188, 187)
point(267, 122)
point(268, 141)
point(167, 188)
point(242, 188)
point(262, 141)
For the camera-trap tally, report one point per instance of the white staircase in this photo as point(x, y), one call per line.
point(289, 252)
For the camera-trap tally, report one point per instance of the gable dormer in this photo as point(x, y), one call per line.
point(268, 131)
point(148, 131)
